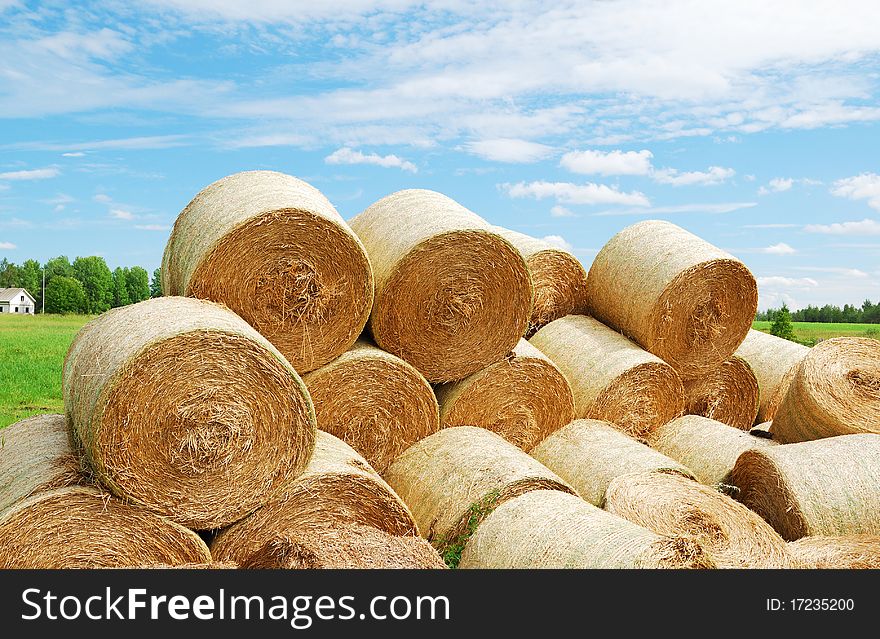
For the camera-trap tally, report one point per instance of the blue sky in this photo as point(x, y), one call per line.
point(752, 124)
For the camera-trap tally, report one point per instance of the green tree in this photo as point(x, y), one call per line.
point(97, 280)
point(138, 283)
point(156, 284)
point(58, 266)
point(10, 274)
point(120, 287)
point(32, 280)
point(65, 295)
point(782, 326)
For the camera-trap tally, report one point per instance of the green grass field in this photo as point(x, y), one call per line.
point(815, 331)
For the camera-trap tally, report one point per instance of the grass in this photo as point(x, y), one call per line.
point(811, 333)
point(451, 549)
point(32, 350)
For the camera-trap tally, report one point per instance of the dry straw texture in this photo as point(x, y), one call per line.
point(612, 379)
point(523, 398)
point(559, 278)
point(835, 390)
point(674, 505)
point(338, 488)
point(850, 552)
point(451, 295)
point(274, 250)
point(550, 529)
point(773, 361)
point(79, 527)
point(728, 394)
point(589, 453)
point(443, 476)
point(707, 447)
point(681, 298)
point(824, 487)
point(180, 405)
point(375, 402)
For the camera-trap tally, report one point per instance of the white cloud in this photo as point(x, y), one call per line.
point(75, 154)
point(608, 163)
point(561, 211)
point(141, 142)
point(103, 198)
point(121, 214)
point(510, 150)
point(346, 155)
point(711, 209)
point(834, 270)
point(568, 193)
point(776, 185)
point(865, 227)
point(791, 282)
point(59, 202)
point(779, 249)
point(860, 187)
point(7, 246)
point(33, 174)
point(558, 241)
point(715, 175)
point(152, 227)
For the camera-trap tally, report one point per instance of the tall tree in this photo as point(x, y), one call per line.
point(32, 280)
point(138, 283)
point(120, 287)
point(156, 283)
point(65, 295)
point(97, 280)
point(58, 266)
point(10, 274)
point(782, 326)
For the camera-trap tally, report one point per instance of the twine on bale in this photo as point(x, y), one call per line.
point(81, 527)
point(337, 489)
point(452, 296)
point(705, 446)
point(772, 360)
point(179, 405)
point(728, 394)
point(523, 398)
point(611, 378)
point(834, 390)
point(559, 279)
point(679, 297)
point(589, 453)
point(674, 505)
point(273, 249)
point(822, 487)
point(849, 552)
point(551, 529)
point(375, 402)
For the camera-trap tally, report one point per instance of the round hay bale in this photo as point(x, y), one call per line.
point(705, 446)
point(611, 378)
point(178, 404)
point(35, 456)
point(559, 279)
point(823, 487)
point(523, 398)
point(589, 453)
point(835, 390)
point(728, 394)
point(686, 301)
point(772, 360)
point(671, 504)
point(81, 527)
point(274, 250)
point(849, 552)
point(550, 529)
point(762, 430)
point(454, 478)
point(375, 402)
point(452, 296)
point(337, 489)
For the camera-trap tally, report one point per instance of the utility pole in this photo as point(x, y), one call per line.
point(44, 291)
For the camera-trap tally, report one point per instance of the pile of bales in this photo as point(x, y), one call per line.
point(417, 388)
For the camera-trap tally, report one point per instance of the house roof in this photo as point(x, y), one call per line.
point(11, 294)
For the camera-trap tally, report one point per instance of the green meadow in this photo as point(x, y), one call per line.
point(813, 332)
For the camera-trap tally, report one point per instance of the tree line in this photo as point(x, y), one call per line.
point(868, 313)
point(86, 285)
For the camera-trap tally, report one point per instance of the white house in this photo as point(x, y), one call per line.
point(16, 300)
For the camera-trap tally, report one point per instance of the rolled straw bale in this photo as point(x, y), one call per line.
point(728, 394)
point(823, 487)
point(674, 505)
point(762, 430)
point(452, 296)
point(707, 447)
point(835, 390)
point(684, 300)
point(523, 398)
point(550, 529)
point(453, 478)
point(851, 551)
point(81, 527)
point(612, 379)
point(772, 360)
point(589, 453)
point(338, 488)
point(273, 249)
point(178, 404)
point(559, 279)
point(375, 402)
point(35, 456)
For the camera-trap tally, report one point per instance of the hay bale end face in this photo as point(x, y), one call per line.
point(823, 487)
point(728, 394)
point(375, 402)
point(686, 301)
point(178, 404)
point(611, 378)
point(772, 360)
point(588, 454)
point(849, 552)
point(551, 529)
point(274, 250)
point(452, 296)
point(523, 398)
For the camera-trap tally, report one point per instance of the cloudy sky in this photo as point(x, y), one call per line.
point(752, 124)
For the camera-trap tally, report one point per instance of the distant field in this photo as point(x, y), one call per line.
point(814, 331)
